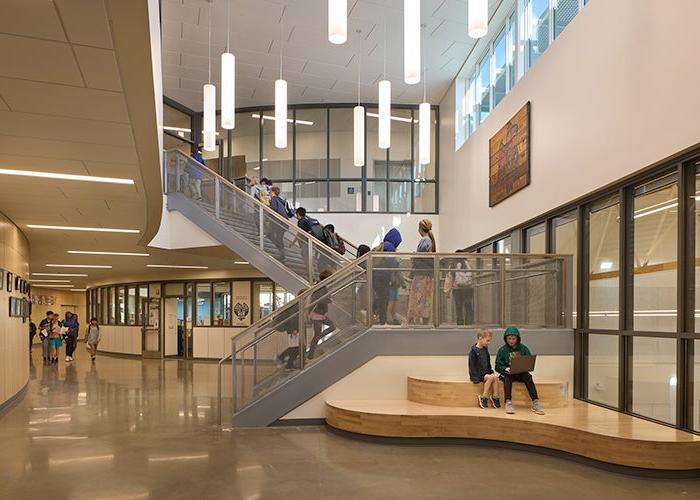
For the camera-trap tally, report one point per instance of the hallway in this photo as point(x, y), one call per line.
point(127, 428)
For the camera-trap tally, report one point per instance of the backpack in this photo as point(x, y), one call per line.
point(289, 208)
point(341, 246)
point(330, 239)
point(316, 229)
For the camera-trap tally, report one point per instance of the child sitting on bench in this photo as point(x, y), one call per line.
point(512, 348)
point(480, 370)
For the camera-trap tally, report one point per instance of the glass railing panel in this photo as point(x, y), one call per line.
point(469, 293)
point(533, 288)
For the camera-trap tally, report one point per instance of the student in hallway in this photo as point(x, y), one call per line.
point(480, 371)
point(32, 334)
point(92, 338)
point(319, 314)
point(513, 348)
point(382, 279)
point(277, 228)
point(44, 335)
point(55, 341)
point(420, 297)
point(72, 330)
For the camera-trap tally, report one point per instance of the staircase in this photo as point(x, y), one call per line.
point(532, 291)
point(268, 241)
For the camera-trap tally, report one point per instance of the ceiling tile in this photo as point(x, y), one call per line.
point(44, 98)
point(45, 148)
point(85, 22)
point(40, 60)
point(31, 18)
point(99, 68)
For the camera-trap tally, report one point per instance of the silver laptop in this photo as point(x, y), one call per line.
point(522, 364)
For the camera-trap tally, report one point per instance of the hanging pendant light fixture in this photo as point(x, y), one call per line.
point(359, 114)
point(281, 98)
point(337, 21)
point(411, 41)
point(424, 126)
point(209, 105)
point(478, 18)
point(228, 79)
point(384, 131)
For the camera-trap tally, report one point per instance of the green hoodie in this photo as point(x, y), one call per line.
point(506, 352)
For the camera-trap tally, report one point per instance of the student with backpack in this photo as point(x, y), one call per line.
point(331, 239)
point(460, 284)
point(277, 229)
point(382, 279)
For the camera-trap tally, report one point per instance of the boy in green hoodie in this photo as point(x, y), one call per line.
point(511, 349)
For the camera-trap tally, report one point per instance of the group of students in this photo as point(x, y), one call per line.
point(480, 371)
point(53, 333)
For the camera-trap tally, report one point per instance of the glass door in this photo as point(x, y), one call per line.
point(151, 338)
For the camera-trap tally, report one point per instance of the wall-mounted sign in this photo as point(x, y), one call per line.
point(241, 304)
point(46, 300)
point(509, 157)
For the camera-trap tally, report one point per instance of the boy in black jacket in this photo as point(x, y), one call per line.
point(480, 370)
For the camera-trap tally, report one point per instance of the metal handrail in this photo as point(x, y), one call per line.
point(254, 201)
point(218, 387)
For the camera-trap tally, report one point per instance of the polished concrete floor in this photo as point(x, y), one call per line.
point(125, 428)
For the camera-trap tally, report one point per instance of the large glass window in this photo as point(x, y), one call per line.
point(695, 391)
point(512, 47)
point(536, 240)
point(504, 245)
point(604, 264)
point(263, 299)
point(246, 147)
point(655, 255)
point(603, 369)
point(222, 303)
point(276, 162)
point(112, 309)
point(654, 378)
point(564, 11)
point(471, 104)
point(484, 88)
point(143, 295)
point(499, 68)
point(121, 317)
point(565, 230)
point(203, 304)
point(537, 29)
point(697, 253)
point(131, 306)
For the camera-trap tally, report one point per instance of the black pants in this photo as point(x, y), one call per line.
point(525, 378)
point(31, 340)
point(290, 354)
point(381, 298)
point(464, 305)
point(319, 334)
point(71, 344)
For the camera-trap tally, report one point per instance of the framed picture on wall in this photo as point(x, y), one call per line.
point(18, 282)
point(9, 281)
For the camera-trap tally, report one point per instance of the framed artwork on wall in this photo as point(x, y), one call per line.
point(2, 280)
point(18, 282)
point(509, 157)
point(9, 281)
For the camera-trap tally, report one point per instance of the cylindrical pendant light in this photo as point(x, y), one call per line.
point(337, 21)
point(359, 135)
point(228, 79)
point(424, 133)
point(385, 114)
point(478, 18)
point(209, 122)
point(209, 106)
point(411, 41)
point(228, 90)
point(280, 114)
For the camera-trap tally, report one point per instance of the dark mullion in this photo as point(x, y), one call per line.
point(626, 296)
point(582, 303)
point(686, 292)
point(229, 155)
point(328, 156)
point(437, 158)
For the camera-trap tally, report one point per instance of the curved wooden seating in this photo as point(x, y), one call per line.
point(578, 428)
point(453, 391)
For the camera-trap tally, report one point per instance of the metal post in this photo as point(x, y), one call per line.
point(217, 197)
point(261, 228)
point(436, 292)
point(302, 336)
point(255, 365)
point(369, 291)
point(310, 261)
point(234, 386)
point(502, 302)
point(178, 175)
point(165, 172)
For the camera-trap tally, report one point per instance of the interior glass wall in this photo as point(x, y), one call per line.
point(604, 264)
point(603, 369)
point(654, 378)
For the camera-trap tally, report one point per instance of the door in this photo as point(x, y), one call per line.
point(172, 326)
point(151, 338)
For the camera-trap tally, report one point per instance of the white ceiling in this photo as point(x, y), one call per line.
point(62, 109)
point(316, 70)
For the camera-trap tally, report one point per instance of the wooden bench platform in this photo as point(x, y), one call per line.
point(459, 391)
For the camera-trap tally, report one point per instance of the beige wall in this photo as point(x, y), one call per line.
point(14, 334)
point(616, 92)
point(64, 301)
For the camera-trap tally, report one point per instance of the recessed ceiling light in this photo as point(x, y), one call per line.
point(65, 177)
point(60, 274)
point(49, 281)
point(241, 262)
point(86, 266)
point(92, 229)
point(176, 267)
point(89, 252)
point(52, 286)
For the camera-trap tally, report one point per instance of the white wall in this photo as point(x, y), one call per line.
point(616, 92)
point(384, 377)
point(120, 339)
point(14, 334)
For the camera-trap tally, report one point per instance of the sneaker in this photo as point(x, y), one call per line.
point(496, 402)
point(93, 359)
point(483, 402)
point(509, 407)
point(537, 407)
